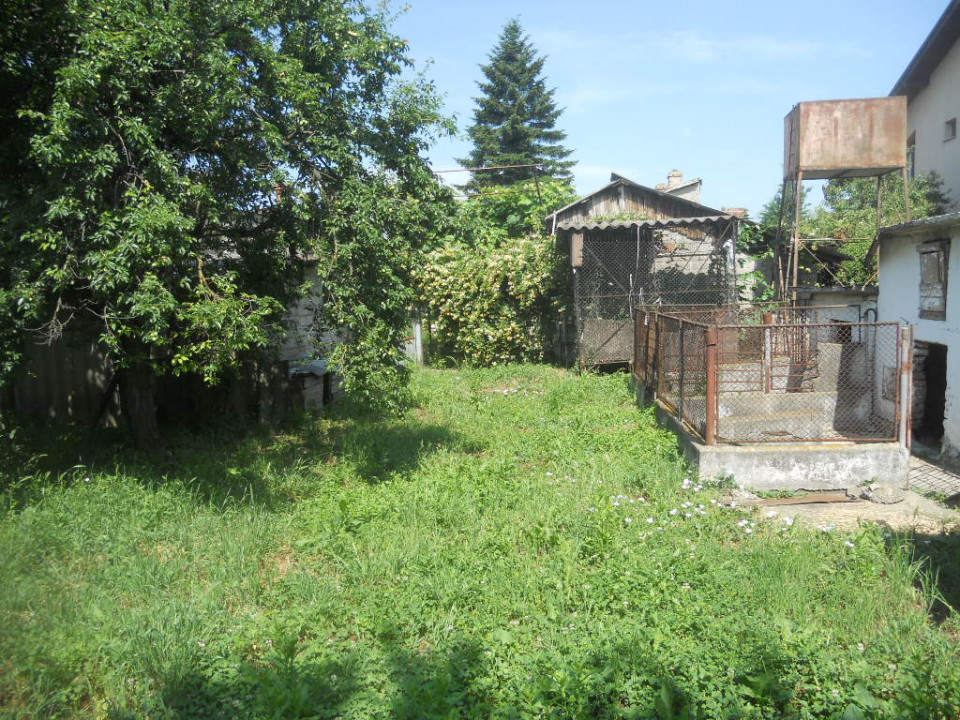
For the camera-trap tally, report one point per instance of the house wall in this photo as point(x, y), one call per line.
point(933, 105)
point(899, 301)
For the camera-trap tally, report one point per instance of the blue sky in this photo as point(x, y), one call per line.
point(698, 86)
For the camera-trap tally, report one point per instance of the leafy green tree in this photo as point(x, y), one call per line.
point(849, 214)
point(495, 289)
point(171, 166)
point(514, 122)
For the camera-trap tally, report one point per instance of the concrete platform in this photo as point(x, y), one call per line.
point(793, 466)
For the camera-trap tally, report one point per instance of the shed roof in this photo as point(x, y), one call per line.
point(616, 179)
point(938, 43)
point(949, 220)
point(656, 224)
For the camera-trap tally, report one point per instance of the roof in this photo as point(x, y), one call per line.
point(616, 179)
point(906, 228)
point(681, 186)
point(655, 224)
point(938, 43)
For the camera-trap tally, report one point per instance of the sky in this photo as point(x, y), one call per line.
point(692, 85)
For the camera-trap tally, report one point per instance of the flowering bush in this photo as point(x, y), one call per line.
point(493, 289)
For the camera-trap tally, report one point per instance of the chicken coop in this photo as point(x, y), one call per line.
point(618, 267)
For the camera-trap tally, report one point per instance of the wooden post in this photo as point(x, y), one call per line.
point(710, 341)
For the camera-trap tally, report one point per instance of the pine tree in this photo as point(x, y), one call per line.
point(514, 122)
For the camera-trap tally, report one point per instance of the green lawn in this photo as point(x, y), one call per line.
point(522, 544)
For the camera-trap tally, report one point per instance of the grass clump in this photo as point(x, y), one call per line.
point(524, 543)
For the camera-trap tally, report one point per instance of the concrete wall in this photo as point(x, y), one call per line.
point(794, 466)
point(899, 301)
point(938, 102)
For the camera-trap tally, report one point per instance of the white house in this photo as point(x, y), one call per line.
point(931, 84)
point(919, 266)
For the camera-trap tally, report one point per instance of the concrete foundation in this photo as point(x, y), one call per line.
point(793, 466)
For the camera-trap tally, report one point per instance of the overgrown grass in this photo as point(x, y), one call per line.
point(518, 546)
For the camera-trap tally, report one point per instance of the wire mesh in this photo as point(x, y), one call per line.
point(775, 381)
point(624, 268)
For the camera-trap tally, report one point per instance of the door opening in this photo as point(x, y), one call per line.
point(930, 392)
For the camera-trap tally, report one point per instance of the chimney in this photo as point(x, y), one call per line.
point(674, 179)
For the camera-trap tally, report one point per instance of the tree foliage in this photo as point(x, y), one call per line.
point(514, 122)
point(170, 166)
point(849, 214)
point(493, 290)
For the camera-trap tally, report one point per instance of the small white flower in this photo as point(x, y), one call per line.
point(748, 531)
point(689, 515)
point(628, 520)
point(616, 504)
point(643, 499)
point(848, 544)
point(733, 503)
point(650, 520)
point(687, 504)
point(549, 474)
point(788, 520)
point(772, 513)
point(592, 509)
point(674, 511)
point(697, 488)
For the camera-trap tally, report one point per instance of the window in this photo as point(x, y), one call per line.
point(950, 129)
point(934, 257)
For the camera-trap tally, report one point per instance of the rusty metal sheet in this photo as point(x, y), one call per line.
point(845, 138)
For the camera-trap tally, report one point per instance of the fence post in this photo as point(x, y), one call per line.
point(682, 372)
point(906, 375)
point(767, 353)
point(710, 341)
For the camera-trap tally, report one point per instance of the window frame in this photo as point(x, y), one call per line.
point(950, 130)
point(937, 251)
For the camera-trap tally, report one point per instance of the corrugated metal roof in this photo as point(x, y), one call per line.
point(616, 179)
point(654, 224)
point(920, 224)
point(905, 228)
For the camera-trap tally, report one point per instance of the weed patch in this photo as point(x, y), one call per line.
point(525, 543)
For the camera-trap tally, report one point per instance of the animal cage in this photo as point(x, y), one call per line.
point(621, 266)
point(748, 375)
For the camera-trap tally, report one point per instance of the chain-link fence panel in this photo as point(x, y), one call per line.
point(620, 268)
point(781, 383)
point(775, 382)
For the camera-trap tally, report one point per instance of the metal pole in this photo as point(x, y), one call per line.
point(879, 201)
point(682, 378)
point(796, 236)
point(767, 352)
point(712, 400)
point(906, 375)
point(906, 193)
